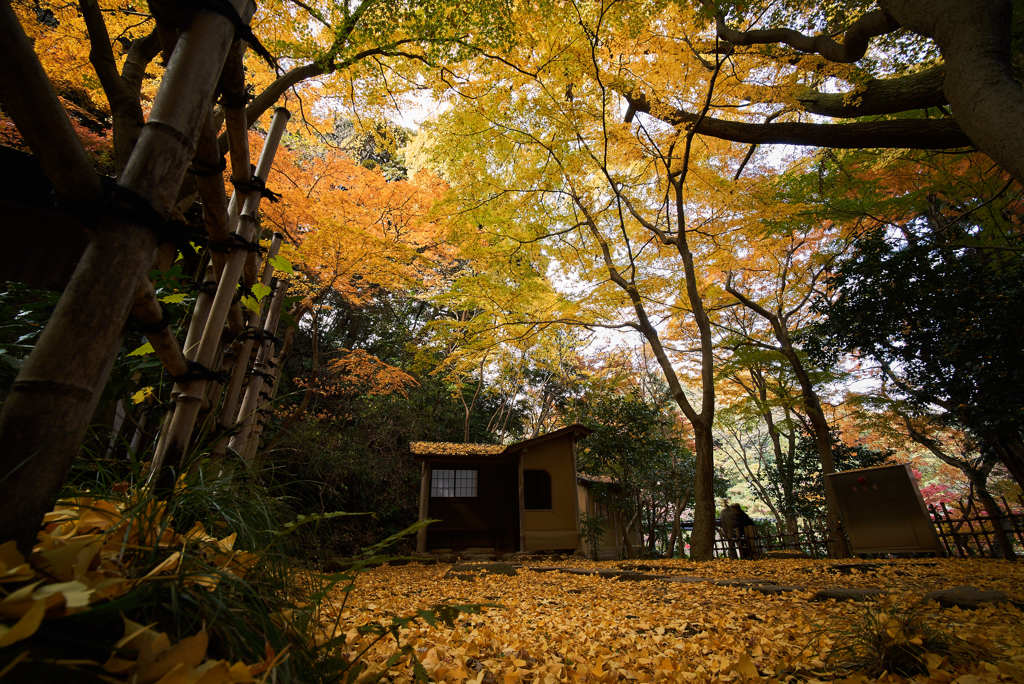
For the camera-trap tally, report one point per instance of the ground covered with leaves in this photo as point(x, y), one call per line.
point(556, 626)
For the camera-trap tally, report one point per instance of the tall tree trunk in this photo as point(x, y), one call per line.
point(838, 547)
point(979, 482)
point(53, 398)
point(702, 541)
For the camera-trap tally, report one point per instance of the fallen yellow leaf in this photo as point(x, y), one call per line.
point(187, 653)
point(25, 627)
point(746, 668)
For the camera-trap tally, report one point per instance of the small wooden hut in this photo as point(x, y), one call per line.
point(497, 498)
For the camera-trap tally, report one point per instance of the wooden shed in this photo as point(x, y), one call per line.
point(617, 528)
point(520, 497)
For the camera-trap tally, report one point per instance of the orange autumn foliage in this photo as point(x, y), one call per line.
point(352, 229)
point(358, 372)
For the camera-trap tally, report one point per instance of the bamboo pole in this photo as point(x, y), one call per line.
point(232, 84)
point(242, 442)
point(243, 357)
point(53, 398)
point(115, 427)
point(210, 184)
point(424, 509)
point(260, 415)
point(188, 395)
point(147, 310)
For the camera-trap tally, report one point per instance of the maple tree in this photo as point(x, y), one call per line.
point(777, 282)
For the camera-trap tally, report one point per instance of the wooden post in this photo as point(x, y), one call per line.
point(522, 499)
point(421, 534)
point(53, 398)
point(188, 395)
point(576, 495)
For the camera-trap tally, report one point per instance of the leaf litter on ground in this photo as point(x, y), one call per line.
point(554, 626)
point(88, 552)
point(528, 626)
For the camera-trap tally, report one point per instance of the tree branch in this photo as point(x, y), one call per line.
point(852, 47)
point(880, 96)
point(901, 133)
point(29, 99)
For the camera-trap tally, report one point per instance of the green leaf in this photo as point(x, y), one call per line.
point(251, 304)
point(282, 264)
point(146, 348)
point(176, 298)
point(259, 291)
point(418, 671)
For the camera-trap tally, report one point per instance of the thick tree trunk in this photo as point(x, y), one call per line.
point(30, 100)
point(702, 541)
point(974, 38)
point(1003, 540)
point(53, 398)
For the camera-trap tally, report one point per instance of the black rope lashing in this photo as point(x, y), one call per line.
point(260, 335)
point(197, 371)
point(267, 377)
point(208, 287)
point(234, 242)
point(235, 99)
point(242, 29)
point(256, 184)
point(136, 209)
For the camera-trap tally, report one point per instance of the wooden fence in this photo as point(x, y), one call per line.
point(965, 530)
point(968, 531)
point(810, 540)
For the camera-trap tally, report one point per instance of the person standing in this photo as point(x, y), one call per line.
point(728, 521)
